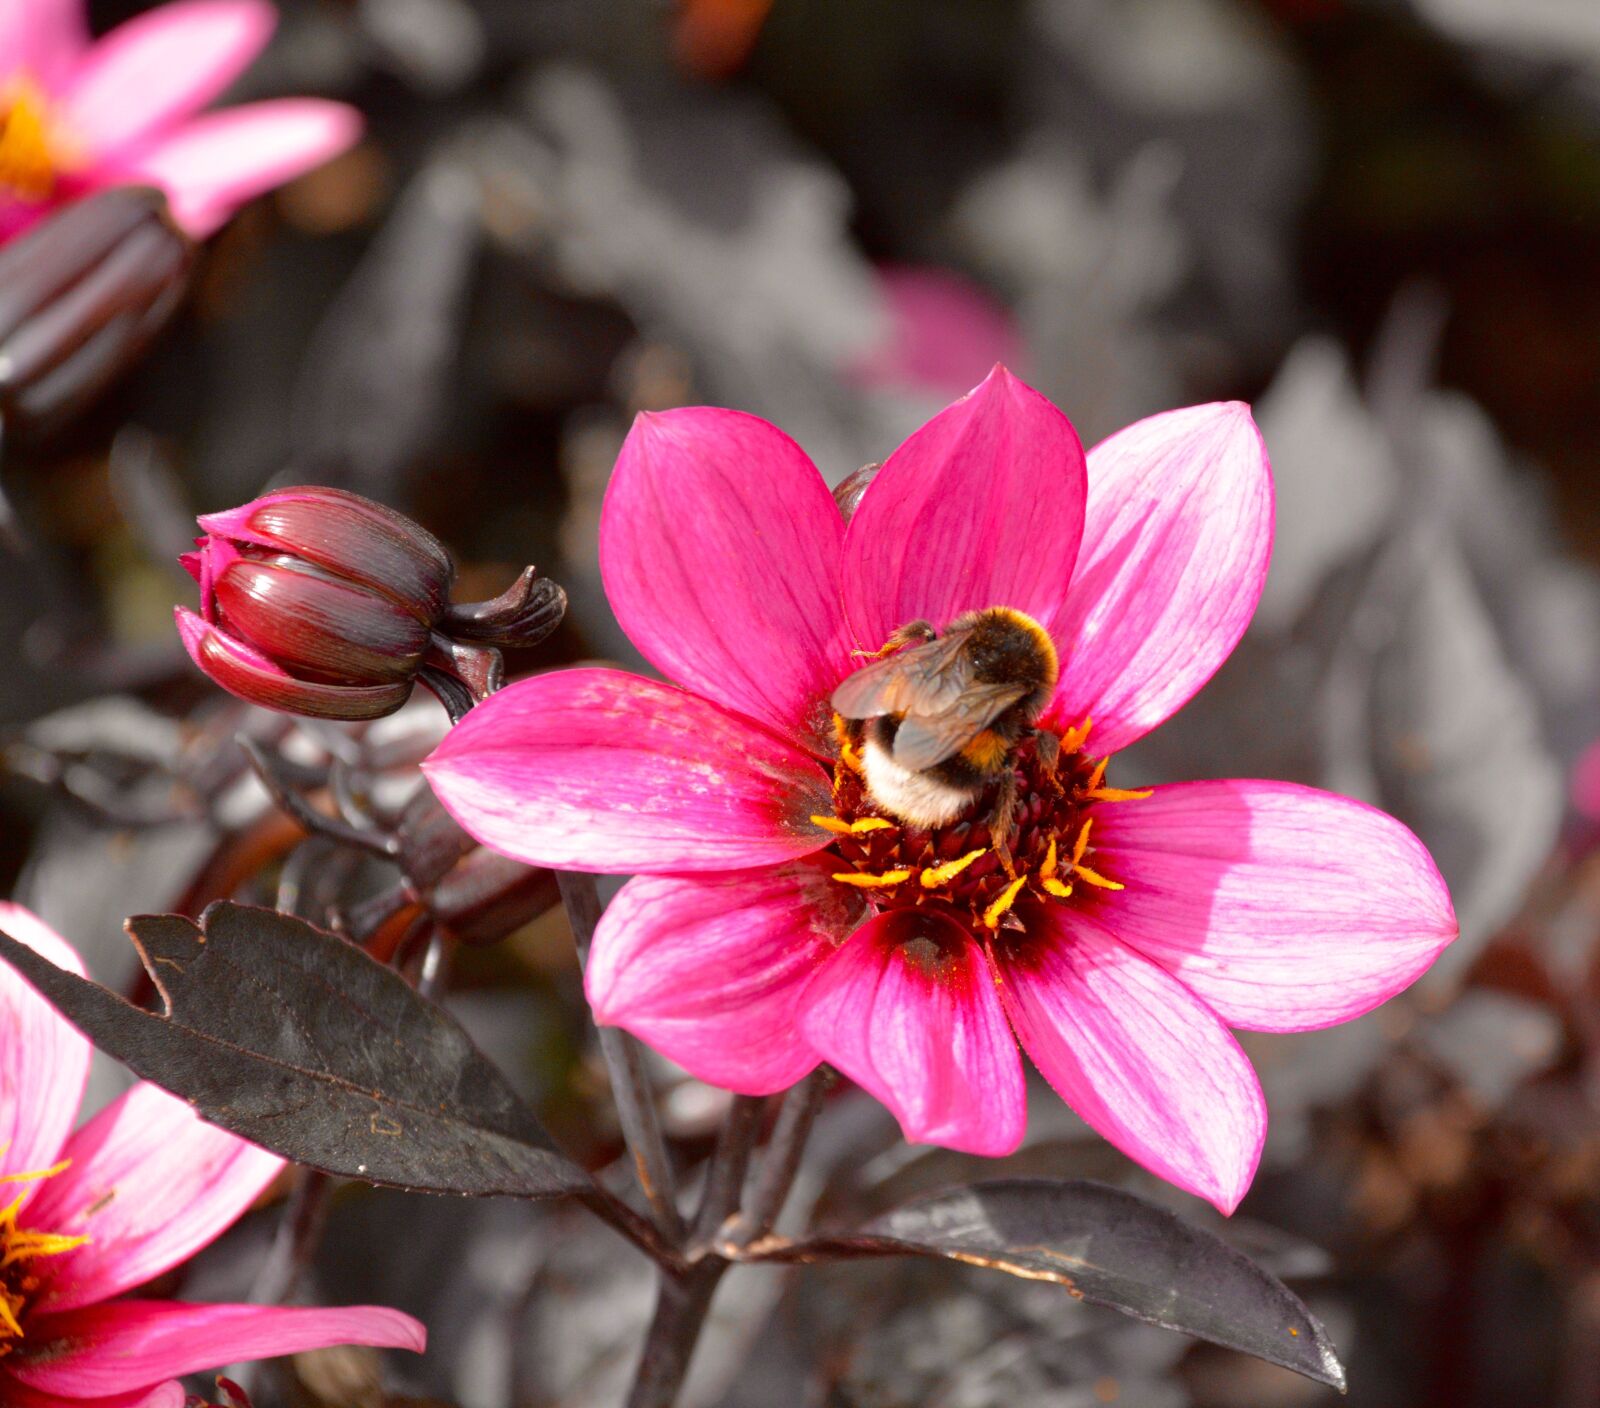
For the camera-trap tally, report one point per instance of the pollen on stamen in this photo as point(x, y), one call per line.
point(939, 875)
point(1082, 843)
point(873, 882)
point(851, 828)
point(35, 1175)
point(17, 1249)
point(1119, 794)
point(1007, 897)
point(27, 167)
point(1093, 877)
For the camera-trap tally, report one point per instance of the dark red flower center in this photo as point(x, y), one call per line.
point(958, 869)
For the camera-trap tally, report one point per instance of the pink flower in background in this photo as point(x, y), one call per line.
point(77, 115)
point(778, 917)
point(942, 333)
point(94, 1212)
point(1584, 788)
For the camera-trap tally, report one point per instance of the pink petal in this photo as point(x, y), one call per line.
point(44, 1060)
point(161, 66)
point(708, 970)
point(41, 38)
point(1175, 550)
point(213, 165)
point(1136, 1054)
point(149, 1185)
point(981, 507)
point(167, 1395)
point(720, 548)
point(601, 770)
point(1281, 907)
point(908, 1010)
point(101, 1349)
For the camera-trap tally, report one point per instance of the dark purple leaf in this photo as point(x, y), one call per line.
point(1104, 1246)
point(300, 1042)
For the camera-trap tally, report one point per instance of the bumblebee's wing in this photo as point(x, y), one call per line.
point(922, 679)
point(924, 739)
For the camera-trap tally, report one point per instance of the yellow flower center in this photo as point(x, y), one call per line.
point(19, 1250)
point(957, 869)
point(29, 162)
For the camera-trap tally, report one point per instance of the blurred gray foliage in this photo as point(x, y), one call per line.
point(374, 380)
point(714, 229)
point(1144, 225)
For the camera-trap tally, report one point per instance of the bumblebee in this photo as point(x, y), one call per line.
point(938, 720)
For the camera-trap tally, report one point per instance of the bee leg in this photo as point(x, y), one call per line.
point(1003, 819)
point(1047, 749)
point(912, 633)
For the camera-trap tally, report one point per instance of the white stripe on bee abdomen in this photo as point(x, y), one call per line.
point(914, 797)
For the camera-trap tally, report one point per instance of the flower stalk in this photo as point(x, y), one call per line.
point(636, 1108)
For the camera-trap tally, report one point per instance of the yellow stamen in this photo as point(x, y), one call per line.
point(1048, 869)
point(873, 882)
point(849, 756)
point(27, 167)
point(1007, 897)
point(1099, 774)
point(1095, 878)
point(1082, 843)
point(19, 1246)
point(36, 1175)
point(938, 875)
point(1117, 794)
point(1074, 738)
point(1059, 888)
point(851, 828)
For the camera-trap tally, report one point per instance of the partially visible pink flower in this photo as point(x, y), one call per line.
point(95, 1212)
point(77, 115)
point(1585, 784)
point(779, 918)
point(941, 333)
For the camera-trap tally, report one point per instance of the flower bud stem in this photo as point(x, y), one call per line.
point(780, 1161)
point(636, 1108)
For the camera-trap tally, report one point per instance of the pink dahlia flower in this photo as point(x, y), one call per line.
point(779, 917)
point(77, 115)
point(97, 1211)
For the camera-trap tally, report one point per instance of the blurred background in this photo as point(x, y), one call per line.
point(1376, 220)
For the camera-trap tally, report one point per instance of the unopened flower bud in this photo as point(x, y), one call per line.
point(317, 601)
point(81, 297)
